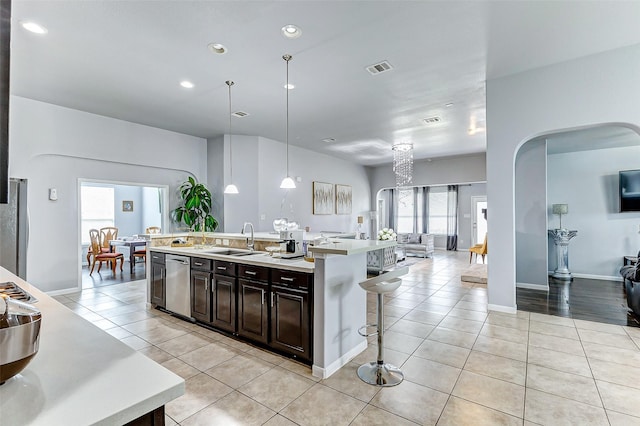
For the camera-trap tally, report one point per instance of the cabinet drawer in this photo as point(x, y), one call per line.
point(221, 267)
point(157, 257)
point(201, 264)
point(291, 279)
point(250, 272)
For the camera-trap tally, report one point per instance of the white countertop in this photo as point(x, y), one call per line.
point(262, 236)
point(81, 375)
point(348, 246)
point(260, 259)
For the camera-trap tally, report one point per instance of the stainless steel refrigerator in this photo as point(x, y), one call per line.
point(14, 229)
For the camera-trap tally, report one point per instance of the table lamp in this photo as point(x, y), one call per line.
point(560, 209)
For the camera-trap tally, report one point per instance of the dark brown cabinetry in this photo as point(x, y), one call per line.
point(200, 293)
point(253, 305)
point(291, 313)
point(158, 277)
point(223, 295)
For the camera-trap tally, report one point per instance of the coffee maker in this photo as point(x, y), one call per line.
point(291, 244)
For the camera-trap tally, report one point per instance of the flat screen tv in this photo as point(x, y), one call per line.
point(630, 191)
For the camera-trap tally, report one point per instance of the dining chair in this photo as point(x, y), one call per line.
point(99, 256)
point(479, 249)
point(153, 230)
point(110, 232)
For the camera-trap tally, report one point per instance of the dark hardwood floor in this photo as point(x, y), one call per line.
point(586, 299)
point(106, 277)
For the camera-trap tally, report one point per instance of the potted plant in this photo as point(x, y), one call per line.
point(195, 207)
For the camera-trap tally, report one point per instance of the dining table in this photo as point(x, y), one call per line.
point(131, 243)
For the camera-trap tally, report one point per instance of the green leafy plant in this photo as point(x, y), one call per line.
point(195, 207)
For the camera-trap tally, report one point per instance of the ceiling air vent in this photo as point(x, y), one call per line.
point(432, 120)
point(379, 67)
point(240, 114)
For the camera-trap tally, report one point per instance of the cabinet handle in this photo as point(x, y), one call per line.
point(250, 272)
point(262, 290)
point(286, 279)
point(206, 285)
point(198, 263)
point(272, 294)
point(222, 268)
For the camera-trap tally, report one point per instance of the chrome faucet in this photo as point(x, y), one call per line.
point(250, 241)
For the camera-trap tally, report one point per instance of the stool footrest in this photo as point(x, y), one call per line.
point(363, 330)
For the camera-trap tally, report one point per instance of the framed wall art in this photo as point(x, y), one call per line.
point(323, 198)
point(127, 206)
point(343, 199)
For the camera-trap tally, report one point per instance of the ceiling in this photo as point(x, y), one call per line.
point(125, 59)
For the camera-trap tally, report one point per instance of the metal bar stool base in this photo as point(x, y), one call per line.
point(380, 374)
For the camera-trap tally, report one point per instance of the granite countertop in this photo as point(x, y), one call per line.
point(81, 375)
point(260, 259)
point(347, 247)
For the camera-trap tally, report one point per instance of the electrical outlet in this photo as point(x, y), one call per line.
point(263, 216)
point(225, 242)
point(218, 241)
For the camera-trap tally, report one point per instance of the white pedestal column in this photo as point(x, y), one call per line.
point(561, 239)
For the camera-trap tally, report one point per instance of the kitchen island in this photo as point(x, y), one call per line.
point(337, 303)
point(81, 375)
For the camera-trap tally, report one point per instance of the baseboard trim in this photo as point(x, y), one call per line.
point(62, 292)
point(502, 308)
point(598, 277)
point(543, 287)
point(324, 373)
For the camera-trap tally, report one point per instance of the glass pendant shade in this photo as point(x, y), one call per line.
point(287, 183)
point(403, 163)
point(231, 189)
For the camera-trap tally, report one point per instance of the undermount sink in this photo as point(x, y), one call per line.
point(233, 252)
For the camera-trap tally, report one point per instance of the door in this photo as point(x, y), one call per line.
point(14, 229)
point(479, 221)
point(224, 303)
point(158, 284)
point(252, 310)
point(290, 321)
point(200, 296)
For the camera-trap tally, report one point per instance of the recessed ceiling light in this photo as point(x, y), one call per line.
point(217, 48)
point(33, 27)
point(289, 86)
point(449, 105)
point(186, 84)
point(291, 31)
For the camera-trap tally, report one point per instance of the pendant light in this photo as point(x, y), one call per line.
point(231, 188)
point(287, 182)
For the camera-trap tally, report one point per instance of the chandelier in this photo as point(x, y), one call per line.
point(403, 163)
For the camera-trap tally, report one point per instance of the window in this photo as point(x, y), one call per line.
point(438, 210)
point(96, 209)
point(405, 210)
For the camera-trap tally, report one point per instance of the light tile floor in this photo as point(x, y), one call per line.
point(462, 365)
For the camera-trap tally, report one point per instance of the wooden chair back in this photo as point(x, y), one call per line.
point(94, 235)
point(152, 230)
point(107, 234)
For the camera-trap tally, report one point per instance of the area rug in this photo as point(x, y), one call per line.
point(476, 273)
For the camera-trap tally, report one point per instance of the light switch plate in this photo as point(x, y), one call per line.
point(53, 194)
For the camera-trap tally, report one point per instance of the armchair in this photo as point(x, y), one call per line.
point(419, 244)
point(479, 249)
point(631, 276)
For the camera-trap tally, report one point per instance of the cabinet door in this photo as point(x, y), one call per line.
point(157, 284)
point(290, 320)
point(224, 303)
point(200, 295)
point(252, 310)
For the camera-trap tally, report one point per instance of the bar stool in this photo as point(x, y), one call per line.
point(378, 373)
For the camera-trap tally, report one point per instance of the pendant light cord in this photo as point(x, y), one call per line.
point(287, 58)
point(230, 83)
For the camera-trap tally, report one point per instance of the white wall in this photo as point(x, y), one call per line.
point(588, 182)
point(128, 223)
point(531, 217)
point(151, 210)
point(602, 88)
point(438, 171)
point(52, 146)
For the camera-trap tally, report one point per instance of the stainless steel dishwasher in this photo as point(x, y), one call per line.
point(178, 286)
